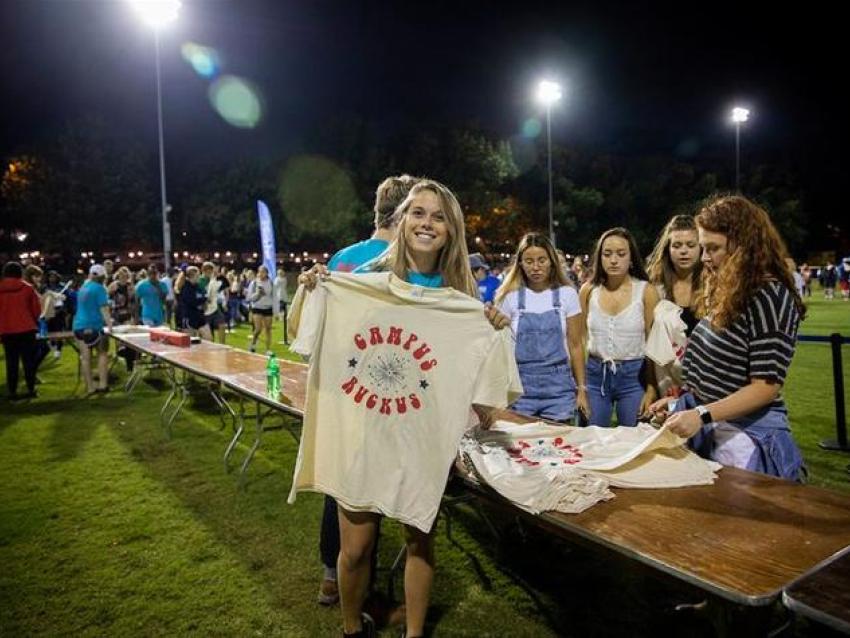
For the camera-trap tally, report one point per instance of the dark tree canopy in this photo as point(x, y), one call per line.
point(89, 187)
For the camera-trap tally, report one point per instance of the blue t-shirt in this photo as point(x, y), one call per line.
point(347, 259)
point(91, 298)
point(151, 300)
point(425, 279)
point(487, 288)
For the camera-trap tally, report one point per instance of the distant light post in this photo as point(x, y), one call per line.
point(157, 14)
point(547, 94)
point(739, 116)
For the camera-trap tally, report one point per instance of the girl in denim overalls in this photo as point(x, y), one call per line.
point(546, 321)
point(619, 307)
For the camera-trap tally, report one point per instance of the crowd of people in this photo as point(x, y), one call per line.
point(699, 336)
point(210, 302)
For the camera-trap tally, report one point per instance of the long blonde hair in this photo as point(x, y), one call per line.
point(516, 275)
point(660, 267)
point(453, 263)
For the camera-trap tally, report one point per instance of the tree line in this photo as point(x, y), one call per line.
point(91, 187)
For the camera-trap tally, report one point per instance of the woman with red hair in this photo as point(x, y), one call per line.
point(738, 355)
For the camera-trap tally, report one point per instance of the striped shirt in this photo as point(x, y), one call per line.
point(758, 344)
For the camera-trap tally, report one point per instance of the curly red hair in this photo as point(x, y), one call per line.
point(756, 254)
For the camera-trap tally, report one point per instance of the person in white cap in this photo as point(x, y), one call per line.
point(91, 318)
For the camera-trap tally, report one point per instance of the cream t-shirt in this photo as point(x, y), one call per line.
point(568, 469)
point(394, 368)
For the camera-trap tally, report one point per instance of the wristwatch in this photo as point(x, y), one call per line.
point(704, 414)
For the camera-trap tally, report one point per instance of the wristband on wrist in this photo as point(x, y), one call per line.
point(704, 414)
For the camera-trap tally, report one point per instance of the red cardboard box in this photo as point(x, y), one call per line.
point(158, 334)
point(177, 339)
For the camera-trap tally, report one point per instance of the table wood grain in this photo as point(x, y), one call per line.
point(745, 538)
point(824, 595)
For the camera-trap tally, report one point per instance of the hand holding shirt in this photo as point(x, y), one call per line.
point(394, 369)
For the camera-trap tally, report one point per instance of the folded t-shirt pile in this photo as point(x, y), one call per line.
point(567, 469)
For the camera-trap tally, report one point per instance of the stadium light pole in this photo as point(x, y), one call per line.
point(548, 93)
point(739, 116)
point(158, 14)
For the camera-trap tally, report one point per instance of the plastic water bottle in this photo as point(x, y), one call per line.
point(42, 327)
point(273, 378)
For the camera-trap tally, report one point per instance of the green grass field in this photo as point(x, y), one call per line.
point(109, 529)
point(809, 392)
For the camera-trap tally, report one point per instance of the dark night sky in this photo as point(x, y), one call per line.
point(638, 79)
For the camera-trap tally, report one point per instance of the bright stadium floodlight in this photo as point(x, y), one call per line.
point(548, 93)
point(738, 117)
point(158, 14)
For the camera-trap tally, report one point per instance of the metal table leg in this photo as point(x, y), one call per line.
point(180, 387)
point(223, 407)
point(173, 393)
point(260, 428)
point(240, 427)
point(258, 438)
point(397, 565)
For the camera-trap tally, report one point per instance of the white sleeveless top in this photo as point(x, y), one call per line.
point(617, 337)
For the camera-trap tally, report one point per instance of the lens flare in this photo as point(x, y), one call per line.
point(204, 60)
point(531, 127)
point(318, 197)
point(237, 101)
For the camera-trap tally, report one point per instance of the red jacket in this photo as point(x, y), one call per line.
point(19, 306)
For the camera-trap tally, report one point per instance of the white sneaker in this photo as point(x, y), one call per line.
point(57, 354)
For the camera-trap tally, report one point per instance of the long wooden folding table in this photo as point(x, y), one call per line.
point(223, 367)
point(244, 373)
point(743, 539)
point(159, 355)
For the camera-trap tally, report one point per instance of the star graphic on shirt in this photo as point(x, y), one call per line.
point(423, 384)
point(352, 363)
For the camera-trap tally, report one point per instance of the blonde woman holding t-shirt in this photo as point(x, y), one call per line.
point(429, 250)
